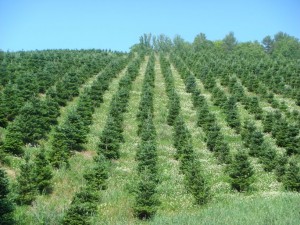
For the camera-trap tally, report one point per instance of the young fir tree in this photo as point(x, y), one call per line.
point(197, 183)
point(42, 173)
point(13, 141)
point(60, 153)
point(97, 176)
point(83, 206)
point(174, 109)
point(291, 180)
point(6, 205)
point(241, 172)
point(75, 131)
point(232, 116)
point(222, 151)
point(26, 185)
point(268, 157)
point(268, 122)
point(281, 166)
point(109, 144)
point(146, 201)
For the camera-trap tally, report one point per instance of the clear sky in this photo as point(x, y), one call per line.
point(118, 24)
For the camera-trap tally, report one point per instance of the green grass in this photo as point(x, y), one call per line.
point(271, 208)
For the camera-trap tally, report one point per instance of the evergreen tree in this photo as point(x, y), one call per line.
point(232, 116)
point(13, 141)
point(174, 108)
point(268, 158)
point(6, 205)
point(281, 166)
point(268, 122)
point(83, 206)
point(42, 173)
point(85, 109)
point(97, 176)
point(60, 153)
point(222, 151)
point(75, 131)
point(146, 201)
point(291, 179)
point(50, 110)
point(241, 172)
point(197, 183)
point(109, 144)
point(26, 186)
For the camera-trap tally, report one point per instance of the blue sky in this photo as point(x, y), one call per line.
point(118, 24)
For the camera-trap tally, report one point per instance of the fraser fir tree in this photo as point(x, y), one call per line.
point(60, 153)
point(83, 206)
point(6, 205)
point(26, 185)
point(97, 176)
point(291, 178)
point(109, 144)
point(42, 173)
point(146, 201)
point(268, 157)
point(174, 108)
point(197, 183)
point(13, 141)
point(241, 172)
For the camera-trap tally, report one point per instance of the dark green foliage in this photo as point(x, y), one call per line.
point(252, 139)
point(27, 86)
point(286, 136)
point(197, 99)
point(281, 166)
point(197, 183)
point(6, 204)
point(42, 173)
point(268, 122)
point(85, 109)
point(109, 144)
point(291, 178)
point(13, 140)
point(268, 157)
point(174, 108)
point(232, 116)
point(190, 83)
point(213, 134)
point(219, 97)
point(83, 206)
point(10, 104)
point(67, 88)
point(60, 153)
point(241, 172)
point(31, 122)
point(97, 176)
point(146, 201)
point(50, 112)
point(222, 151)
point(254, 107)
point(147, 157)
point(26, 186)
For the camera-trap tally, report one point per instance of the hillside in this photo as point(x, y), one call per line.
point(170, 133)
